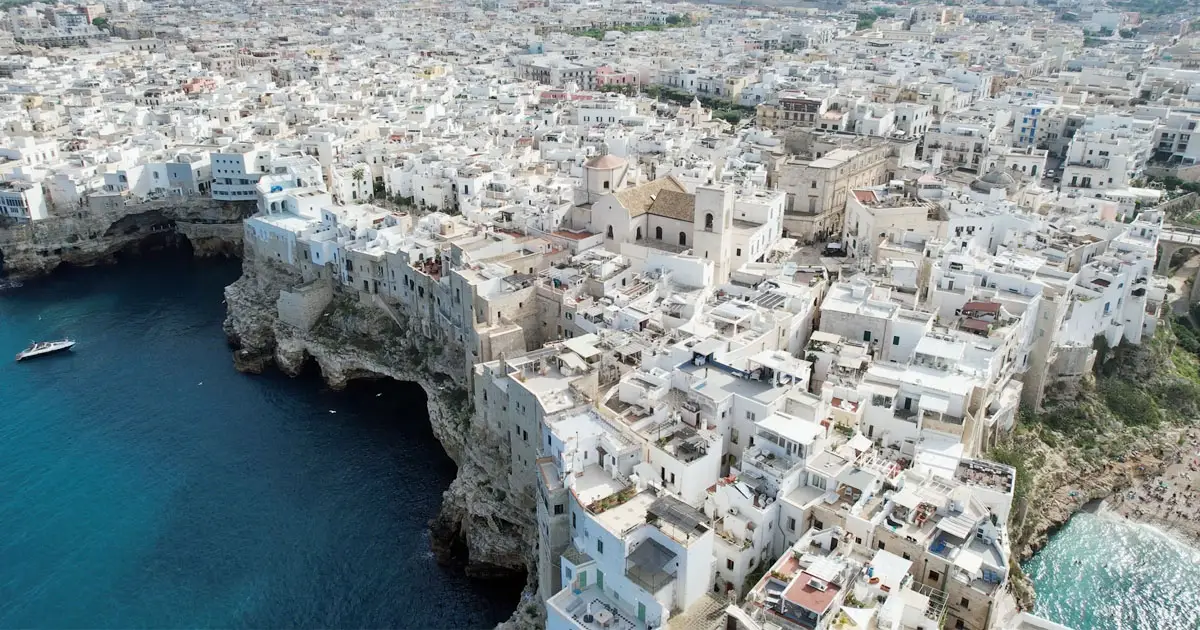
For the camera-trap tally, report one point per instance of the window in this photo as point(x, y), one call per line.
point(708, 221)
point(818, 525)
point(639, 234)
point(750, 416)
point(610, 232)
point(905, 554)
point(959, 625)
point(813, 185)
point(729, 564)
point(733, 436)
point(606, 184)
point(965, 603)
point(739, 251)
point(559, 509)
point(658, 233)
point(791, 524)
point(600, 546)
point(683, 238)
point(867, 335)
point(934, 575)
point(880, 544)
point(572, 520)
point(895, 340)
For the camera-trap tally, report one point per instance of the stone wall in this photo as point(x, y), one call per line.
point(87, 237)
point(1186, 173)
point(302, 306)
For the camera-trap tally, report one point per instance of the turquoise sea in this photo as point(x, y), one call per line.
point(1104, 572)
point(146, 484)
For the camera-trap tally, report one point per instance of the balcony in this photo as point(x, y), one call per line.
point(770, 462)
point(740, 544)
point(940, 422)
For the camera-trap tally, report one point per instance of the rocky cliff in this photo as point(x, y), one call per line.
point(91, 237)
point(1098, 438)
point(481, 524)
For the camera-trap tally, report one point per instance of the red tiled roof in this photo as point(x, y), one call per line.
point(982, 307)
point(865, 196)
point(804, 595)
point(574, 236)
point(975, 324)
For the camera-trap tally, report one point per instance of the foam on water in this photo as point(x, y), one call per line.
point(1104, 572)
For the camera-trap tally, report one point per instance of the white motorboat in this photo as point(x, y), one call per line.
point(45, 347)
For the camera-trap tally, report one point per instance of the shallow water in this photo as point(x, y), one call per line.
point(1102, 571)
point(145, 483)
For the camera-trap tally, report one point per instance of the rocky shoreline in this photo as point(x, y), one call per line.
point(1066, 483)
point(97, 237)
point(482, 527)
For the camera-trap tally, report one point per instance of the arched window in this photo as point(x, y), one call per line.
point(610, 232)
point(639, 234)
point(683, 238)
point(708, 221)
point(658, 232)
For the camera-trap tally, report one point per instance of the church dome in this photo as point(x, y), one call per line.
point(605, 162)
point(996, 178)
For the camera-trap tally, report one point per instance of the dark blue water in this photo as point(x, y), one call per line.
point(145, 483)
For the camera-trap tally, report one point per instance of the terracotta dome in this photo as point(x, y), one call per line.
point(605, 162)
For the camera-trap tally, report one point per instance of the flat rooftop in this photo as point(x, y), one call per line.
point(717, 384)
point(627, 515)
point(595, 483)
point(285, 221)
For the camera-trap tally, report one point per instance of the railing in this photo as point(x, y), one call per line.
point(651, 581)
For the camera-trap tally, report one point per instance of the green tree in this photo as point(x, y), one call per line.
point(100, 22)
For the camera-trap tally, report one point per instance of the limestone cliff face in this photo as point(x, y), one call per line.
point(1063, 481)
point(479, 524)
point(92, 237)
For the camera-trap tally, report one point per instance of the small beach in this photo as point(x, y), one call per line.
point(1170, 500)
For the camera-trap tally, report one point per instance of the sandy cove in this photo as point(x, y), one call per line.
point(1169, 500)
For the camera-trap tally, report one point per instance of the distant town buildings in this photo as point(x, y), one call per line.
point(749, 293)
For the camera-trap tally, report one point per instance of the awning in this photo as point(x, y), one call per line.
point(859, 617)
point(936, 404)
point(969, 561)
point(850, 363)
point(572, 360)
point(907, 498)
point(956, 526)
point(582, 346)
